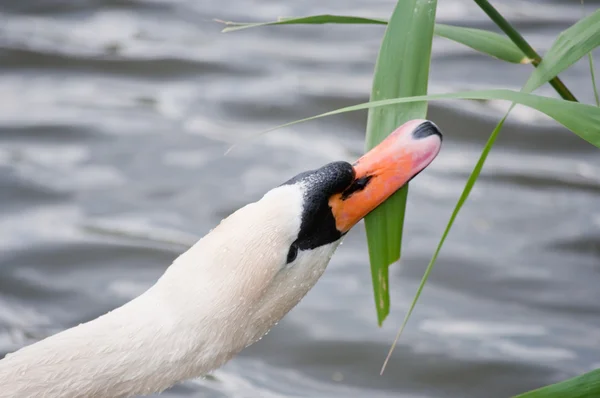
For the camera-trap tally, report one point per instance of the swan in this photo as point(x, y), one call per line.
point(227, 290)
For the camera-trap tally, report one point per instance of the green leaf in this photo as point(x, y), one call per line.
point(582, 119)
point(463, 197)
point(583, 386)
point(591, 65)
point(593, 77)
point(315, 19)
point(402, 70)
point(484, 41)
point(570, 46)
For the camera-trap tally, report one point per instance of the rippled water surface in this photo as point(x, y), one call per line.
point(114, 117)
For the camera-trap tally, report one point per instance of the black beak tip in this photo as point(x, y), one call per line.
point(425, 130)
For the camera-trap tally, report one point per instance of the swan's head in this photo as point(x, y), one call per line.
point(261, 260)
point(324, 204)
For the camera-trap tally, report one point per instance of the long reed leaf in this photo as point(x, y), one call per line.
point(484, 41)
point(463, 197)
point(593, 77)
point(311, 20)
point(581, 119)
point(401, 70)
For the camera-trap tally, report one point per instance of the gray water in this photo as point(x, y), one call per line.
point(114, 117)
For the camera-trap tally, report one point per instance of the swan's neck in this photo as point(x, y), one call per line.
point(218, 297)
point(138, 348)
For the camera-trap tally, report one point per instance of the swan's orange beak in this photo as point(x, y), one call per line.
point(385, 169)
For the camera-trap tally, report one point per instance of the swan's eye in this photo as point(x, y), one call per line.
point(293, 253)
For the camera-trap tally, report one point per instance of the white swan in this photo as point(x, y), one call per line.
point(227, 290)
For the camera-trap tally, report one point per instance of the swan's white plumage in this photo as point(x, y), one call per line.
point(221, 295)
point(227, 290)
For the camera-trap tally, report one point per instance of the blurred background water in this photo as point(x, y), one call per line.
point(114, 118)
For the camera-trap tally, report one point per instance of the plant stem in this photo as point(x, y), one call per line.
point(520, 42)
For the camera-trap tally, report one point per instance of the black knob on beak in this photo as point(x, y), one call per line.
point(426, 129)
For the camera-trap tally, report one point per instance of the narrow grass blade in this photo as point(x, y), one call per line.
point(484, 41)
point(586, 385)
point(581, 119)
point(570, 46)
point(463, 197)
point(401, 70)
point(314, 19)
point(593, 76)
point(591, 65)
